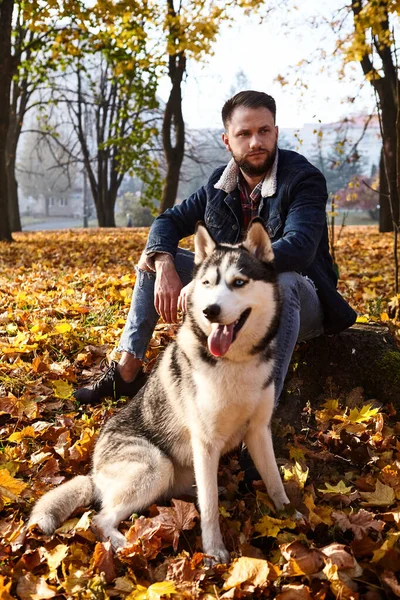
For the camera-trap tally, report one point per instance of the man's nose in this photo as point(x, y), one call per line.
point(255, 142)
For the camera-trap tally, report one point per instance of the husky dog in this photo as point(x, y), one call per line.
point(212, 389)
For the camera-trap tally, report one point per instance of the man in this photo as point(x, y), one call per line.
point(289, 194)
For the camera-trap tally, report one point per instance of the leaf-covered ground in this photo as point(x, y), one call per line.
point(64, 297)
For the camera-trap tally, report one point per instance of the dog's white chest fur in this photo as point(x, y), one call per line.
point(226, 400)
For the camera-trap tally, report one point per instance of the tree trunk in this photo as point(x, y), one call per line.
point(388, 164)
point(18, 104)
point(173, 126)
point(105, 205)
point(109, 216)
point(6, 74)
point(13, 204)
point(387, 89)
point(385, 217)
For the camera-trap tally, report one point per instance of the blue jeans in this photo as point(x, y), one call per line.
point(301, 317)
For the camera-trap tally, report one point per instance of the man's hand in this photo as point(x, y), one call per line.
point(167, 288)
point(183, 296)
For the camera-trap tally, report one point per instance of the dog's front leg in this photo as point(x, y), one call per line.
point(205, 459)
point(258, 440)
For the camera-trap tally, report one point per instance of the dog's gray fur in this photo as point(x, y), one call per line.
point(197, 405)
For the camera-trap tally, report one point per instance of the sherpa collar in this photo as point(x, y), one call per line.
point(229, 178)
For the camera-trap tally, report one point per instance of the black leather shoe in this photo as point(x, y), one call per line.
point(110, 385)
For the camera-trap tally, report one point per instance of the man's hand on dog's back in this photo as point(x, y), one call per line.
point(167, 288)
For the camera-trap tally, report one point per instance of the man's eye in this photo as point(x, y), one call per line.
point(239, 283)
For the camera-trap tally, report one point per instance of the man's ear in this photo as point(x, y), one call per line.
point(225, 139)
point(203, 243)
point(257, 241)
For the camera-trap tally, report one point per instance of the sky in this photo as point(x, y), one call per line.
point(262, 52)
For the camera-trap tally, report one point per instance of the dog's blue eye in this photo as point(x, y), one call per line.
point(239, 282)
point(206, 282)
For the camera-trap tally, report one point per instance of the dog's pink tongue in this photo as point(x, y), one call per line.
point(220, 339)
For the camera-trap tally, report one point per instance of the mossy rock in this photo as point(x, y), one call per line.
point(364, 356)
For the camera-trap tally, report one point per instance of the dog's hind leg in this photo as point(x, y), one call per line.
point(129, 486)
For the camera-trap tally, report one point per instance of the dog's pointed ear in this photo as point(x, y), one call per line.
point(257, 241)
point(203, 243)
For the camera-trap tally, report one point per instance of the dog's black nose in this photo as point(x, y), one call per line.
point(212, 312)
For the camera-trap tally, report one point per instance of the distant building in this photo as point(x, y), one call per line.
point(69, 205)
point(305, 139)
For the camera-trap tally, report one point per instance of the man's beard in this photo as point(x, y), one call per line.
point(251, 169)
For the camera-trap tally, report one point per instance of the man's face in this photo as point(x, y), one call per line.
point(251, 136)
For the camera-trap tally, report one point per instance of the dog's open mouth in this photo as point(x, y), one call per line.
point(222, 336)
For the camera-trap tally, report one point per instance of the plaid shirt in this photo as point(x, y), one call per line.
point(250, 202)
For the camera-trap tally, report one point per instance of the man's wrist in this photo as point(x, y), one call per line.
point(162, 259)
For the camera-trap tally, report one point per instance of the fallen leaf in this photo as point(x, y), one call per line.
point(18, 436)
point(339, 488)
point(294, 591)
point(389, 543)
point(62, 389)
point(339, 555)
point(247, 570)
point(301, 559)
point(392, 582)
point(5, 589)
point(54, 558)
point(63, 328)
point(360, 523)
point(382, 496)
point(103, 560)
point(10, 488)
point(269, 526)
point(30, 587)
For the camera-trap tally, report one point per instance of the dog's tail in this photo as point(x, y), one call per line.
point(58, 504)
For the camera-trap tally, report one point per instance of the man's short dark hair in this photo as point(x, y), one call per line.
point(248, 99)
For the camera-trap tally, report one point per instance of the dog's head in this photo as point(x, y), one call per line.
point(234, 298)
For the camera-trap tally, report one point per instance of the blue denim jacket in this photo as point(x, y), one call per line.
point(295, 218)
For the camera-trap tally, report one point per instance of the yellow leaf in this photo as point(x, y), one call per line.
point(362, 319)
point(253, 571)
point(332, 404)
point(382, 496)
point(160, 590)
point(296, 453)
point(268, 526)
point(296, 473)
point(63, 327)
point(55, 557)
point(62, 389)
point(5, 589)
point(339, 488)
point(10, 487)
point(365, 414)
point(390, 542)
point(313, 517)
point(140, 593)
point(27, 432)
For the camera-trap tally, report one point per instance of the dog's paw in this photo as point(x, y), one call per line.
point(216, 556)
point(118, 541)
point(299, 518)
point(46, 523)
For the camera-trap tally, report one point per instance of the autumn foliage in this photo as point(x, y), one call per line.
point(64, 298)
